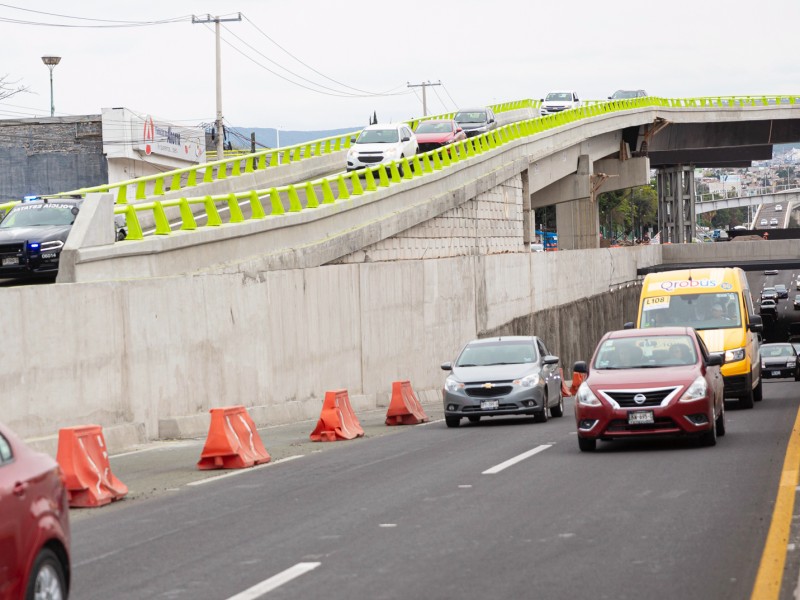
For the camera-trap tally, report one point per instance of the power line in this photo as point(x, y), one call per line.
point(423, 85)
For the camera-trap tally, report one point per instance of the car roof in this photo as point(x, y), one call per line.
point(560, 92)
point(649, 331)
point(384, 126)
point(473, 109)
point(70, 201)
point(503, 338)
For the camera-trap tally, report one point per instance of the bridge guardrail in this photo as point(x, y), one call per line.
point(235, 163)
point(385, 175)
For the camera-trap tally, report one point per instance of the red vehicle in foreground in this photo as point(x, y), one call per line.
point(436, 133)
point(34, 524)
point(650, 382)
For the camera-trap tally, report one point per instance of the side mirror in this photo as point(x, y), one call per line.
point(715, 360)
point(756, 324)
point(352, 140)
point(549, 360)
point(447, 366)
point(580, 367)
point(610, 98)
point(541, 99)
point(405, 139)
point(459, 130)
point(628, 325)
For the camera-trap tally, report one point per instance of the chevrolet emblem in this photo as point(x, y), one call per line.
point(488, 386)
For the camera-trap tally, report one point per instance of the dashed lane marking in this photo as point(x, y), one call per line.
point(241, 471)
point(519, 458)
point(266, 586)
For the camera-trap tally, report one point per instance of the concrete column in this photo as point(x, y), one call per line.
point(528, 216)
point(578, 223)
point(676, 210)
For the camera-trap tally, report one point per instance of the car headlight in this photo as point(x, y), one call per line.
point(586, 396)
point(791, 363)
point(50, 246)
point(451, 384)
point(390, 152)
point(696, 391)
point(352, 153)
point(734, 355)
point(528, 380)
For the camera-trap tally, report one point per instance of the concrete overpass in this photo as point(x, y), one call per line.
point(354, 293)
point(766, 196)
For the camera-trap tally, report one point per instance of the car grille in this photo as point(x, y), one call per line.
point(652, 397)
point(11, 248)
point(429, 146)
point(492, 392)
point(366, 158)
point(737, 383)
point(506, 406)
point(661, 423)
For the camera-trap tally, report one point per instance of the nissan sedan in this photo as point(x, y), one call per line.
point(654, 382)
point(436, 133)
point(501, 376)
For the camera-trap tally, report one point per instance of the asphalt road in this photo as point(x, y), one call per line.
point(431, 512)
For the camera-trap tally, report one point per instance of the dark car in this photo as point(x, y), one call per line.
point(768, 307)
point(34, 523)
point(436, 133)
point(475, 121)
point(494, 377)
point(627, 94)
point(779, 360)
point(769, 293)
point(797, 302)
point(650, 382)
point(781, 290)
point(33, 234)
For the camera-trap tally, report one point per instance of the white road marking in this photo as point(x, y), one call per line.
point(464, 487)
point(512, 461)
point(275, 581)
point(249, 470)
point(388, 525)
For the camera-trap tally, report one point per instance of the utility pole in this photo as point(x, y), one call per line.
point(216, 20)
point(424, 85)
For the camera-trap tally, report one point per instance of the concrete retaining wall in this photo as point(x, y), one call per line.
point(149, 358)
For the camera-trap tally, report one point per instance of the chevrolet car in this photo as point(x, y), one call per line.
point(650, 382)
point(502, 376)
point(779, 360)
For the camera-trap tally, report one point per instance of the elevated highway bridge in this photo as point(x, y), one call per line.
point(329, 282)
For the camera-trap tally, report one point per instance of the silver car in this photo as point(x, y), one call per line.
point(501, 376)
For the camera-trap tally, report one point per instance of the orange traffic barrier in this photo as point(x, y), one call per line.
point(83, 459)
point(564, 389)
point(404, 408)
point(233, 441)
point(337, 420)
point(577, 380)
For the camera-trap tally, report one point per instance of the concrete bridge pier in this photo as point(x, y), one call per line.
point(676, 209)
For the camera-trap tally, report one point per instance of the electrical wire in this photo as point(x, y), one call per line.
point(109, 22)
point(449, 96)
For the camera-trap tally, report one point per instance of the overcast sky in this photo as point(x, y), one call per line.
point(483, 52)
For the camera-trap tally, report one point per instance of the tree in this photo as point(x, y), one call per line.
point(10, 88)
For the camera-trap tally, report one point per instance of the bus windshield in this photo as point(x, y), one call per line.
point(701, 311)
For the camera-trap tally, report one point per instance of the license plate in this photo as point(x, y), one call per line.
point(10, 260)
point(489, 404)
point(775, 373)
point(641, 416)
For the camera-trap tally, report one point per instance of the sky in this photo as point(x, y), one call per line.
point(317, 64)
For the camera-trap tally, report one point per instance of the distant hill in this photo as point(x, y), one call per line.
point(267, 136)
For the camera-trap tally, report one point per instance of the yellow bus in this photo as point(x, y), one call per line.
point(717, 303)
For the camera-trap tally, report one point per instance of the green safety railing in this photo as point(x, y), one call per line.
point(234, 163)
point(329, 190)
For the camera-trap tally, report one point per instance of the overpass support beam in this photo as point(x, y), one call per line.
point(676, 210)
point(578, 221)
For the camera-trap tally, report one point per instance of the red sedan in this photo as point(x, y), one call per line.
point(34, 524)
point(436, 133)
point(647, 382)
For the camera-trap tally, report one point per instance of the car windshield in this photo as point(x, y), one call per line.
point(434, 127)
point(38, 215)
point(701, 311)
point(500, 353)
point(646, 352)
point(470, 117)
point(777, 350)
point(378, 136)
point(622, 94)
point(558, 96)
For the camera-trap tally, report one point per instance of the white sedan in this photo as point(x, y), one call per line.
point(382, 144)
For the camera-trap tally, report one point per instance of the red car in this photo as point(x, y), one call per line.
point(34, 524)
point(650, 382)
point(436, 133)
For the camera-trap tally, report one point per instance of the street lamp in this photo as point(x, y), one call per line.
point(51, 62)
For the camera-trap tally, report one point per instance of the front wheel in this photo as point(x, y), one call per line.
point(758, 393)
point(452, 421)
point(47, 578)
point(721, 422)
point(746, 401)
point(709, 438)
point(558, 409)
point(587, 444)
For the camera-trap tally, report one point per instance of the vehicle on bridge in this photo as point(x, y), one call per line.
point(33, 234)
point(555, 102)
point(436, 133)
point(475, 121)
point(627, 94)
point(378, 144)
point(650, 382)
point(502, 376)
point(690, 298)
point(780, 360)
point(768, 308)
point(34, 523)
